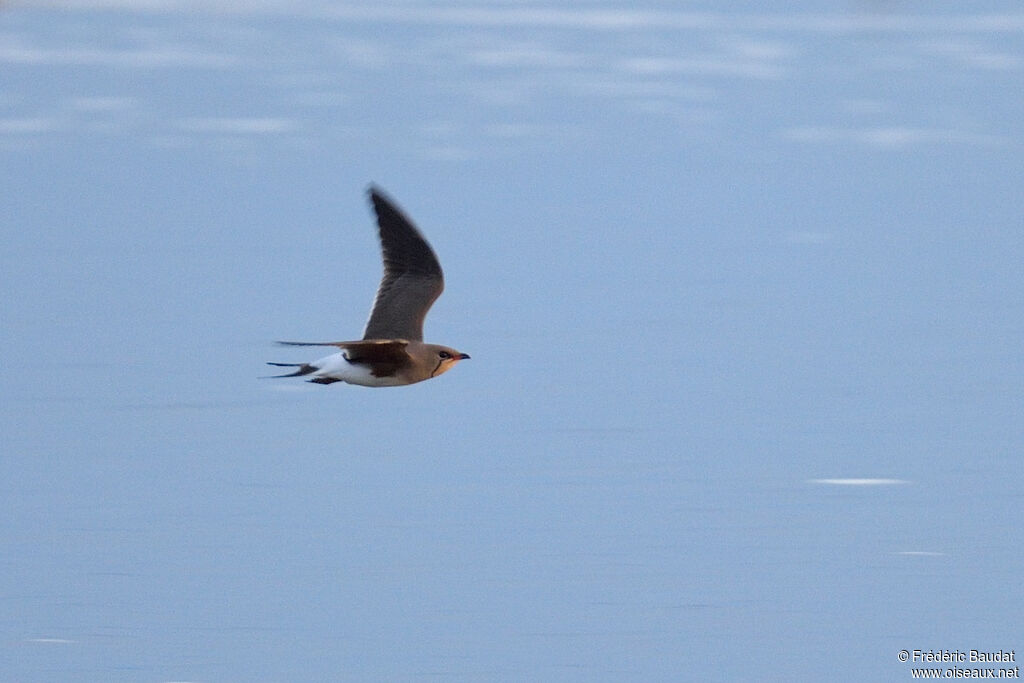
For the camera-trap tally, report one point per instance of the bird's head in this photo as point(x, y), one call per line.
point(445, 358)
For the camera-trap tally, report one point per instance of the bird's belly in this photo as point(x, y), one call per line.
point(336, 366)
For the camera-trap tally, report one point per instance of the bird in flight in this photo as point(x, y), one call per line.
point(391, 352)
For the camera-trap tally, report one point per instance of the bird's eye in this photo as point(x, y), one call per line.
point(444, 354)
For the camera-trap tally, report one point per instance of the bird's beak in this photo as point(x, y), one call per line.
point(463, 356)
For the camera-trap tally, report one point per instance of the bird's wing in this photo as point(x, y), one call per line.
point(367, 351)
point(412, 276)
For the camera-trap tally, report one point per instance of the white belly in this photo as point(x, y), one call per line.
point(336, 367)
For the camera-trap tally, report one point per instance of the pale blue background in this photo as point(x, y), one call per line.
point(702, 258)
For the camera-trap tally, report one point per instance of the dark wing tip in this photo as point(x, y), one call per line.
point(295, 343)
point(404, 246)
point(389, 214)
point(385, 207)
point(378, 195)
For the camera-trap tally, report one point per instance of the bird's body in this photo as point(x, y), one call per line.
point(391, 352)
point(376, 362)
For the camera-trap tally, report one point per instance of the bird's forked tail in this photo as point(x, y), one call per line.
point(303, 369)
